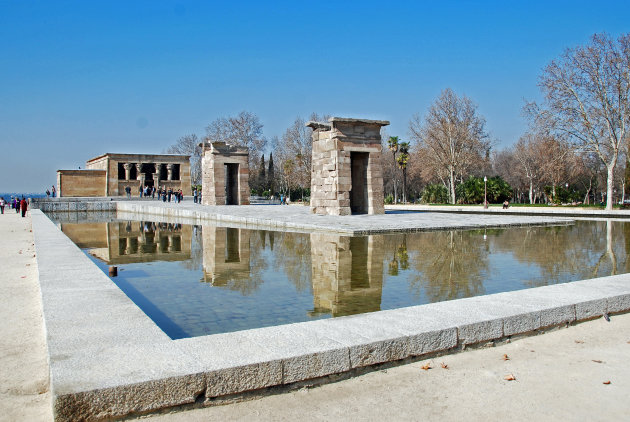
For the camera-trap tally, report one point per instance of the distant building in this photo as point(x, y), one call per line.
point(109, 174)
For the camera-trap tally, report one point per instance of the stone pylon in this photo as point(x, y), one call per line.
point(225, 174)
point(347, 172)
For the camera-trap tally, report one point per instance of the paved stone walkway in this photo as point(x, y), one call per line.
point(24, 384)
point(560, 211)
point(300, 218)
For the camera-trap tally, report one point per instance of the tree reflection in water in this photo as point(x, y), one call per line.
point(564, 253)
point(448, 264)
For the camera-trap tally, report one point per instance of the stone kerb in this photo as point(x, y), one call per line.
point(331, 175)
point(215, 156)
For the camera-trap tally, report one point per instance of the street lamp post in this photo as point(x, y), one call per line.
point(485, 193)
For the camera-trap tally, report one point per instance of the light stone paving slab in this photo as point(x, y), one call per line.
point(109, 360)
point(560, 211)
point(299, 218)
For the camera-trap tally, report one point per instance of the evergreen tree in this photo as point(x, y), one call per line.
point(270, 174)
point(262, 178)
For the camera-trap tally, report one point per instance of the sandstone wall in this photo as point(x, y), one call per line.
point(331, 172)
point(215, 157)
point(81, 183)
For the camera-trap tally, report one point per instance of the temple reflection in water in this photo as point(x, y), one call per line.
point(347, 273)
point(226, 253)
point(132, 241)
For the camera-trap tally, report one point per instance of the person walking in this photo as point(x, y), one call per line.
point(195, 195)
point(23, 206)
point(54, 191)
point(2, 204)
point(16, 205)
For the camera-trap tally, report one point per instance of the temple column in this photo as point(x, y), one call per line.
point(127, 167)
point(138, 172)
point(171, 246)
point(169, 169)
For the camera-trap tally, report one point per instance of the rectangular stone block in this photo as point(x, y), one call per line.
point(480, 331)
point(620, 303)
point(590, 309)
point(432, 341)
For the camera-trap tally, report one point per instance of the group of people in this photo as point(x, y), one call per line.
point(53, 193)
point(16, 203)
point(168, 194)
point(162, 193)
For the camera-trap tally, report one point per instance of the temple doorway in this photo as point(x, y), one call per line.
point(359, 190)
point(148, 170)
point(231, 184)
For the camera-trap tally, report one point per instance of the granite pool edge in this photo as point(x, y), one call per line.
point(108, 360)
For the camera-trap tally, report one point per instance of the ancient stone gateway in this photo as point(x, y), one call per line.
point(225, 178)
point(347, 173)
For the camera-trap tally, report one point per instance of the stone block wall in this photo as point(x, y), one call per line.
point(215, 157)
point(82, 183)
point(146, 168)
point(331, 174)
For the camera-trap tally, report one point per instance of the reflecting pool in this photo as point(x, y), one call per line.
point(199, 280)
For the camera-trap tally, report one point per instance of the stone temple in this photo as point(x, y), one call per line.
point(225, 179)
point(347, 172)
point(109, 174)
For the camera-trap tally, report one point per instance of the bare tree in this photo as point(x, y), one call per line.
point(453, 134)
point(506, 165)
point(587, 98)
point(526, 152)
point(189, 145)
point(295, 153)
point(245, 129)
point(296, 145)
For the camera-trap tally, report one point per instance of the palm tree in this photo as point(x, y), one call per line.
point(392, 144)
point(402, 159)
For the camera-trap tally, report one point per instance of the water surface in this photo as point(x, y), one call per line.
point(199, 280)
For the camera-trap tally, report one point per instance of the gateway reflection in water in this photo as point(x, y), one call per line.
point(194, 280)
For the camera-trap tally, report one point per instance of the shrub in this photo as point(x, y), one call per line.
point(434, 194)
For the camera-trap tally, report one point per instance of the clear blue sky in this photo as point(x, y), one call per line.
point(81, 78)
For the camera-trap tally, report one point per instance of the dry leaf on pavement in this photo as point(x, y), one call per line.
point(510, 377)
